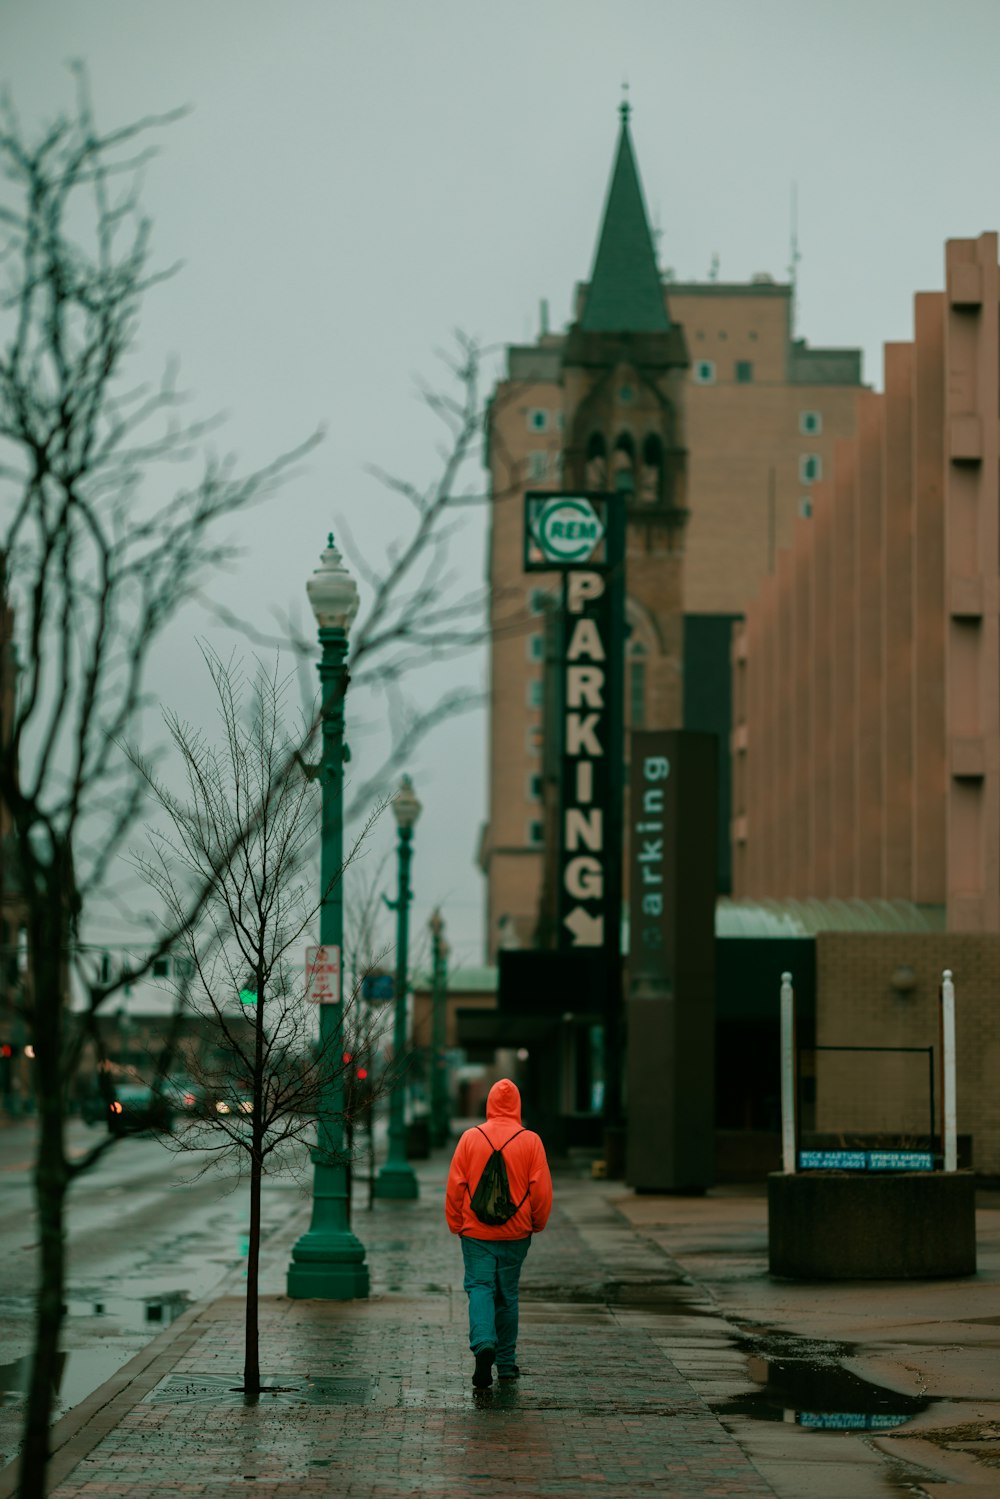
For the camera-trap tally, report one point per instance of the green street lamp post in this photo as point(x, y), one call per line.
point(397, 1178)
point(328, 1261)
point(440, 1114)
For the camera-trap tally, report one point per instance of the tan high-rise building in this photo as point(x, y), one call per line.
point(868, 715)
point(723, 422)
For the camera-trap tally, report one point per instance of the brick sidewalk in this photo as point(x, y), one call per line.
point(379, 1399)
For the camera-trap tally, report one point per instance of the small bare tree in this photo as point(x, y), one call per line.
point(95, 572)
point(265, 1075)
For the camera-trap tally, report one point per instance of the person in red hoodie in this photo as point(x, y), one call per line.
point(494, 1253)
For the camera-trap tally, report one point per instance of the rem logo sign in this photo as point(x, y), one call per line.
point(565, 531)
point(589, 695)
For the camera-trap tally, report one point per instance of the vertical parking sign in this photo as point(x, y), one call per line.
point(323, 975)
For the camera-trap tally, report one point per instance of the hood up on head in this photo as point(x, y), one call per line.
point(504, 1101)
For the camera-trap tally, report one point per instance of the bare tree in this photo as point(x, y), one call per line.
point(264, 1073)
point(95, 571)
point(418, 609)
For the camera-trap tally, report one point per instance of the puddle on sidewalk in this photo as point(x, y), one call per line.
point(803, 1380)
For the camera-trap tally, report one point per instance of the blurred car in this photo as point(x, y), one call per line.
point(186, 1097)
point(235, 1104)
point(136, 1107)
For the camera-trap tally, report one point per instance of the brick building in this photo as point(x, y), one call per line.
point(726, 422)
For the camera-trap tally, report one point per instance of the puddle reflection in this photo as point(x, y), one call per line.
point(133, 1312)
point(804, 1381)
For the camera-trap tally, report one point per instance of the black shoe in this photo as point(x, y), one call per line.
point(483, 1377)
point(512, 1373)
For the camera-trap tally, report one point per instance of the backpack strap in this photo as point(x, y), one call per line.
point(528, 1192)
point(502, 1147)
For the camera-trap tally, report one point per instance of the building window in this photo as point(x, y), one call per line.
point(539, 599)
point(161, 968)
point(538, 420)
point(805, 507)
point(637, 692)
point(538, 465)
point(536, 833)
point(744, 372)
point(704, 372)
point(536, 693)
point(810, 422)
point(534, 788)
point(810, 467)
point(535, 739)
point(105, 968)
point(536, 647)
point(626, 395)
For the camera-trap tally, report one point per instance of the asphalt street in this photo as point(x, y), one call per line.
point(148, 1235)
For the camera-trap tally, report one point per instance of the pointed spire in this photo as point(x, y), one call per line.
point(625, 293)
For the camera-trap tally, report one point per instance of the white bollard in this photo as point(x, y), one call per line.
point(788, 1161)
point(948, 1067)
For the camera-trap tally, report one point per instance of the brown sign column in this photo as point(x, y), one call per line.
point(670, 1059)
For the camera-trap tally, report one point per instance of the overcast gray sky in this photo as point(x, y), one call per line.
point(357, 178)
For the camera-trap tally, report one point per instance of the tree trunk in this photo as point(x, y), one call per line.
point(51, 1186)
point(251, 1358)
point(251, 1355)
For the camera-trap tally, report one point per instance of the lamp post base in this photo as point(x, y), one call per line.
point(397, 1181)
point(329, 1267)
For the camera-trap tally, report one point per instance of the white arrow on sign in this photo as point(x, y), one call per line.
point(588, 931)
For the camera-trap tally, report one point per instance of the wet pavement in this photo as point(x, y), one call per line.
point(146, 1240)
point(658, 1358)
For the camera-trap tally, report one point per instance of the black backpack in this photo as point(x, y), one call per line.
point(491, 1201)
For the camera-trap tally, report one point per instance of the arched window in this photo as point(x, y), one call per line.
point(650, 488)
point(597, 462)
point(623, 458)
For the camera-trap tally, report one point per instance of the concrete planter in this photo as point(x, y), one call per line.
point(838, 1225)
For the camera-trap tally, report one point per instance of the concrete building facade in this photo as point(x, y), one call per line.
point(866, 748)
point(726, 423)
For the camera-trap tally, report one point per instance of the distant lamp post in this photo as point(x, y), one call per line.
point(440, 1113)
point(328, 1261)
point(397, 1178)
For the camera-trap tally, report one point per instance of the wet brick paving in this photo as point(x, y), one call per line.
point(381, 1402)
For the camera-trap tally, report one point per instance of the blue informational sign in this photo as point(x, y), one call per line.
point(850, 1420)
point(378, 986)
point(865, 1160)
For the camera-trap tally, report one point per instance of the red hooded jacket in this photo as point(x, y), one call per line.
point(527, 1171)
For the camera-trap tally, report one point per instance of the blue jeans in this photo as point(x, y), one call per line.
point(492, 1272)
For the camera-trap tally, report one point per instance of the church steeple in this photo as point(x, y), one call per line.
point(625, 294)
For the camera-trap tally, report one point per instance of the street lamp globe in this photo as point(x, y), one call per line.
point(332, 591)
point(406, 807)
point(436, 922)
